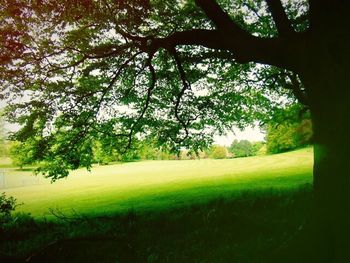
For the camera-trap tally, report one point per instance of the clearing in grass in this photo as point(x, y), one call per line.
point(157, 185)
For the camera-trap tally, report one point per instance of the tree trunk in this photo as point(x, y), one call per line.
point(331, 210)
point(326, 236)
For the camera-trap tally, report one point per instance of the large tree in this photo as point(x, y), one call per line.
point(177, 71)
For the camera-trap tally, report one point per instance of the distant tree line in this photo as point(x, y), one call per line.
point(287, 130)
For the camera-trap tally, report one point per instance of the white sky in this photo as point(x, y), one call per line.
point(252, 134)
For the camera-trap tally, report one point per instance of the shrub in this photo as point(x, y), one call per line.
point(7, 205)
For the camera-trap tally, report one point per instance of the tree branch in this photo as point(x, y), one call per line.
point(228, 36)
point(223, 55)
point(244, 49)
point(220, 18)
point(185, 86)
point(283, 24)
point(146, 104)
point(295, 86)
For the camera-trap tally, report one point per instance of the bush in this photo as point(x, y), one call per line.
point(13, 225)
point(7, 205)
point(18, 225)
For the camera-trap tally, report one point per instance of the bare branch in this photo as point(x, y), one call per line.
point(94, 53)
point(96, 109)
point(146, 104)
point(283, 24)
point(185, 86)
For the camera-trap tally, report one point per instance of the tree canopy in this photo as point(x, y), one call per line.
point(173, 71)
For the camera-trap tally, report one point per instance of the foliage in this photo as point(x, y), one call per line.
point(304, 132)
point(3, 142)
point(218, 152)
point(281, 138)
point(288, 131)
point(7, 205)
point(23, 153)
point(103, 155)
point(119, 71)
point(259, 148)
point(149, 151)
point(5, 148)
point(242, 148)
point(142, 150)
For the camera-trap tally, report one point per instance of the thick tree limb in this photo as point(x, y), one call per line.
point(229, 36)
point(220, 18)
point(283, 24)
point(244, 48)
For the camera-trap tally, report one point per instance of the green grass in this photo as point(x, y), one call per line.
point(159, 185)
point(247, 228)
point(5, 162)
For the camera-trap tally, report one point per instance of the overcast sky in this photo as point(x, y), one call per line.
point(252, 134)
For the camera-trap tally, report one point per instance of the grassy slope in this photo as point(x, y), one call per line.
point(5, 162)
point(158, 185)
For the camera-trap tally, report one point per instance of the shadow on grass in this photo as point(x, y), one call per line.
point(244, 228)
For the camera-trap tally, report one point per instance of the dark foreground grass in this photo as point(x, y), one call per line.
point(244, 228)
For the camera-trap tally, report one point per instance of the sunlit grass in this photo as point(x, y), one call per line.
point(158, 185)
point(5, 162)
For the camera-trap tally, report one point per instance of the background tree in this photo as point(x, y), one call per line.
point(288, 130)
point(281, 138)
point(242, 148)
point(185, 70)
point(259, 148)
point(104, 155)
point(218, 152)
point(4, 145)
point(23, 154)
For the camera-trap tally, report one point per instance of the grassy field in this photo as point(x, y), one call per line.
point(157, 185)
